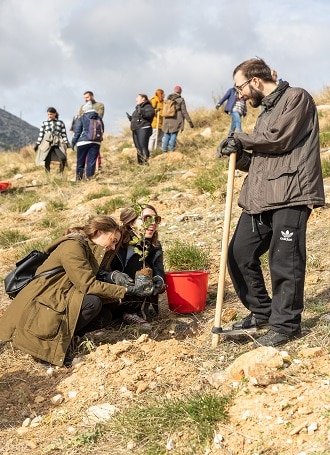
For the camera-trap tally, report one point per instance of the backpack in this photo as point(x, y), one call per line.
point(95, 130)
point(25, 271)
point(169, 108)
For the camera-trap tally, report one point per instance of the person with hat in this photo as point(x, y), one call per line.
point(99, 107)
point(157, 101)
point(173, 125)
point(52, 142)
point(87, 150)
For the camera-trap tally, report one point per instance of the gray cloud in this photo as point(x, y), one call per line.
point(53, 51)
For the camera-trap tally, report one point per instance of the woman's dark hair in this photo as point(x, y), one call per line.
point(143, 95)
point(255, 67)
point(129, 215)
point(53, 111)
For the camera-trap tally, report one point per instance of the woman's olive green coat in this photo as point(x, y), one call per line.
point(42, 318)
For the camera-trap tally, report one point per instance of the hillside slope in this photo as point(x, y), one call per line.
point(132, 371)
point(15, 133)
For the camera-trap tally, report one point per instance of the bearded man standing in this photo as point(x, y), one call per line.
point(284, 183)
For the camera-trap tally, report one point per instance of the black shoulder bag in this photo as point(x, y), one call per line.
point(25, 271)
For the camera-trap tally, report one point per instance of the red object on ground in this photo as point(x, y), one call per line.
point(4, 186)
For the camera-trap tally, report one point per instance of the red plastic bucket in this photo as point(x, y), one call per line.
point(4, 186)
point(187, 291)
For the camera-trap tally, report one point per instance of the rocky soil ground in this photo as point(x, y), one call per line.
point(46, 410)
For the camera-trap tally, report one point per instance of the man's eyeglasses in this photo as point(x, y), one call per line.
point(239, 88)
point(150, 219)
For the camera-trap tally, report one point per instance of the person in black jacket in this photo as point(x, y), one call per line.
point(136, 310)
point(141, 128)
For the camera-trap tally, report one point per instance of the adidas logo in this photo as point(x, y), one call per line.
point(286, 236)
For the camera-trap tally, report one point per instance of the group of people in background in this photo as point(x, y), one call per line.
point(52, 142)
point(152, 127)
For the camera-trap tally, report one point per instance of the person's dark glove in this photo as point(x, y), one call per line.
point(191, 124)
point(217, 106)
point(129, 116)
point(35, 147)
point(228, 146)
point(120, 278)
point(159, 285)
point(115, 277)
point(140, 290)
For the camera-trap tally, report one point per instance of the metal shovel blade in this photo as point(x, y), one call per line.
point(233, 332)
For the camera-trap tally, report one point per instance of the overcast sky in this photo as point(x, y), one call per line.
point(53, 51)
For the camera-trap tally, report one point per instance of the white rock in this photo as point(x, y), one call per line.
point(37, 207)
point(72, 430)
point(36, 421)
point(100, 413)
point(26, 422)
point(312, 427)
point(170, 444)
point(72, 394)
point(57, 399)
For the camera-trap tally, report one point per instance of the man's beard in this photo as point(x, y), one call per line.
point(255, 97)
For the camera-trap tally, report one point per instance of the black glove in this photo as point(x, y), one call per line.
point(159, 285)
point(191, 124)
point(217, 106)
point(129, 116)
point(35, 147)
point(228, 146)
point(140, 290)
point(115, 277)
point(120, 278)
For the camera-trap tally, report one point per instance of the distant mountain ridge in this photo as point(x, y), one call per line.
point(15, 132)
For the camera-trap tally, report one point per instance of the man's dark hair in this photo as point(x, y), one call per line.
point(89, 93)
point(255, 67)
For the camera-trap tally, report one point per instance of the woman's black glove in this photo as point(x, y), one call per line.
point(140, 290)
point(35, 147)
point(129, 116)
point(159, 285)
point(115, 277)
point(120, 278)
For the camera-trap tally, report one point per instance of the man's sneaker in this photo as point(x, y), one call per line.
point(250, 322)
point(272, 338)
point(135, 319)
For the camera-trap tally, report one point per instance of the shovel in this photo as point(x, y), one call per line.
point(157, 126)
point(217, 330)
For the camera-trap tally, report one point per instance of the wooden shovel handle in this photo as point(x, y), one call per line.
point(224, 247)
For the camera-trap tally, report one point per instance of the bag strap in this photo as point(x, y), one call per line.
point(49, 272)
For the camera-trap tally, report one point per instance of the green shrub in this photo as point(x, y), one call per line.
point(9, 237)
point(110, 206)
point(211, 179)
point(185, 256)
point(325, 168)
point(98, 195)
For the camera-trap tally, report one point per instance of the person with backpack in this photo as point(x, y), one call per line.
point(99, 107)
point(141, 128)
point(157, 101)
point(88, 135)
point(174, 115)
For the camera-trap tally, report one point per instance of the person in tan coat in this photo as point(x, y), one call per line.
point(45, 316)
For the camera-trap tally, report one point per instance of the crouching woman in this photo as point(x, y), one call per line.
point(44, 317)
